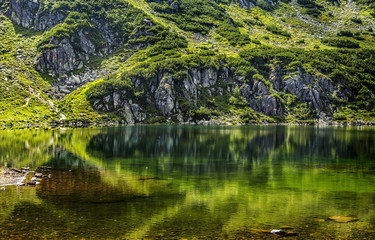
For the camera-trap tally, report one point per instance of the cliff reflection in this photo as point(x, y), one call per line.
point(219, 149)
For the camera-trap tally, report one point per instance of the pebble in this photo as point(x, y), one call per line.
point(2, 188)
point(38, 175)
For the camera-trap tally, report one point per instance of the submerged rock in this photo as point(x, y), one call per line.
point(277, 232)
point(44, 168)
point(283, 233)
point(31, 183)
point(342, 219)
point(286, 227)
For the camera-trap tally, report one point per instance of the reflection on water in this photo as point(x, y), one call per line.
point(170, 182)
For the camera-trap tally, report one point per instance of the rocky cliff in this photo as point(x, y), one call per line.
point(164, 92)
point(34, 14)
point(72, 36)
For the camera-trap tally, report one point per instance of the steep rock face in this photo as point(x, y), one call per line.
point(204, 78)
point(163, 92)
point(47, 20)
point(210, 81)
point(32, 14)
point(65, 56)
point(190, 91)
point(69, 53)
point(59, 59)
point(268, 105)
point(23, 12)
point(259, 98)
point(64, 84)
point(316, 91)
point(247, 4)
point(165, 97)
point(111, 37)
point(118, 102)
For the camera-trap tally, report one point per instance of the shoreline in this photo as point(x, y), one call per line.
point(198, 123)
point(212, 122)
point(12, 177)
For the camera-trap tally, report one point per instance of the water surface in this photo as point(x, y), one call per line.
point(191, 182)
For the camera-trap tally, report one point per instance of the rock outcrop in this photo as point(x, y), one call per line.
point(165, 97)
point(63, 54)
point(66, 83)
point(119, 103)
point(247, 4)
point(317, 90)
point(32, 14)
point(163, 92)
point(59, 59)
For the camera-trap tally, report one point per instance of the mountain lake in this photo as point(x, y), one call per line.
point(191, 182)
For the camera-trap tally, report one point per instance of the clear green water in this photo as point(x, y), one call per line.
point(172, 182)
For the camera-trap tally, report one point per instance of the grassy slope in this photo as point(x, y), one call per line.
point(23, 90)
point(75, 106)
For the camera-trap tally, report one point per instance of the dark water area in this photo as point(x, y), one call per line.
point(191, 182)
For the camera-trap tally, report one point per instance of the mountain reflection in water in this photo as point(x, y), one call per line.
point(168, 182)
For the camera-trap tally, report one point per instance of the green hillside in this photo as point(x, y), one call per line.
point(85, 61)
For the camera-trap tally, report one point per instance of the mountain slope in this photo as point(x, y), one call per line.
point(187, 60)
point(24, 93)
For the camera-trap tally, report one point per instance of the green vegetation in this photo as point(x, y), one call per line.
point(192, 15)
point(342, 67)
point(77, 108)
point(341, 43)
point(311, 7)
point(137, 43)
point(73, 24)
point(277, 30)
point(118, 14)
point(22, 99)
point(356, 20)
point(233, 35)
point(370, 4)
